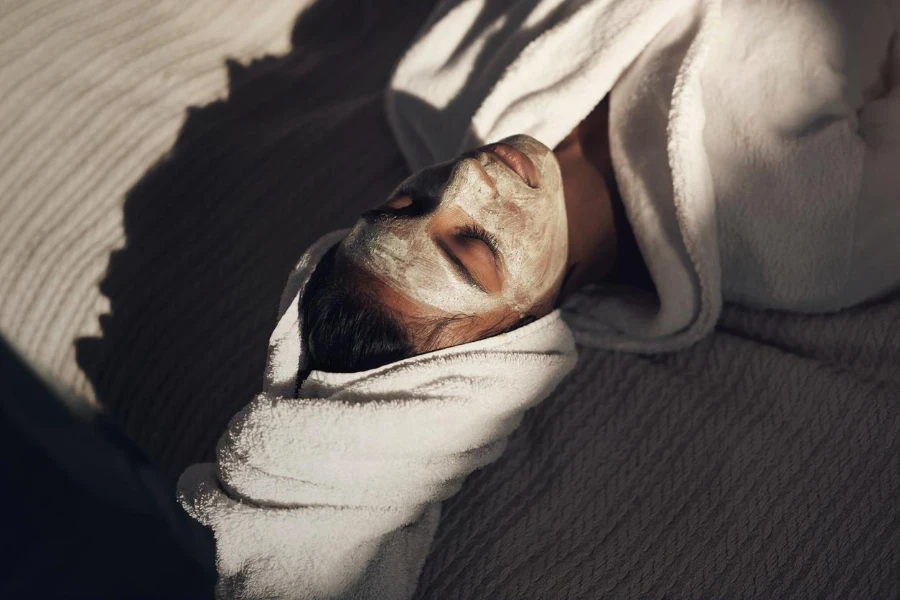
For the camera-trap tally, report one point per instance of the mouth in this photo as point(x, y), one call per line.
point(517, 161)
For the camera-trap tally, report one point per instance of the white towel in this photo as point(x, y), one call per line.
point(755, 144)
point(336, 494)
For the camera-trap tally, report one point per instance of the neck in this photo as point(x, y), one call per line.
point(589, 188)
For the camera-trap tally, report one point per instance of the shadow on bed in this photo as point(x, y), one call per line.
point(299, 147)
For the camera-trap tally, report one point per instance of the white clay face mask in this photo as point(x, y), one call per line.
point(522, 208)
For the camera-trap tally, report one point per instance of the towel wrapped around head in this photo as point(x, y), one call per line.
point(336, 493)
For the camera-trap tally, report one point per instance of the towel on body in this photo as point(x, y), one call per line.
point(754, 144)
point(336, 493)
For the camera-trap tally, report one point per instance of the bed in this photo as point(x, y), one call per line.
point(164, 165)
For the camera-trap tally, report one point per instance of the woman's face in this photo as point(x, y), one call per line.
point(481, 234)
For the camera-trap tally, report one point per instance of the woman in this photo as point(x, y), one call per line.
point(692, 164)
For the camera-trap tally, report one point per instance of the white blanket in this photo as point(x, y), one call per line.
point(337, 493)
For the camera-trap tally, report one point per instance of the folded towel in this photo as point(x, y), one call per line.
point(336, 493)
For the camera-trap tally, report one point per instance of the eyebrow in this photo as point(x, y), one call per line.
point(460, 266)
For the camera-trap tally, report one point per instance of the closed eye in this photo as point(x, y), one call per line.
point(461, 268)
point(475, 231)
point(481, 273)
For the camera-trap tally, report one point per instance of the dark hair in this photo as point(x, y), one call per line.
point(347, 329)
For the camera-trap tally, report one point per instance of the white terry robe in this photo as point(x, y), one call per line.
point(756, 144)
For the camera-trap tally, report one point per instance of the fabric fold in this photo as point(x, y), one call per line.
point(335, 491)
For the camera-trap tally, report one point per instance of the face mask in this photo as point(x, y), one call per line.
point(527, 223)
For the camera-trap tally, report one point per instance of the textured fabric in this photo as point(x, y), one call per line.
point(762, 462)
point(145, 241)
point(94, 92)
point(335, 492)
point(803, 146)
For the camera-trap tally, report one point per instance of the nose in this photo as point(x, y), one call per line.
point(486, 178)
point(473, 161)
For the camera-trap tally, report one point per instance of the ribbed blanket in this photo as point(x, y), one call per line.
point(164, 164)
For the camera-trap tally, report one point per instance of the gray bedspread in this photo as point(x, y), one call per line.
point(162, 166)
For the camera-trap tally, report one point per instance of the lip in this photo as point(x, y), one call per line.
point(518, 162)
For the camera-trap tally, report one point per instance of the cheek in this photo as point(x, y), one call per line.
point(546, 244)
point(515, 218)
